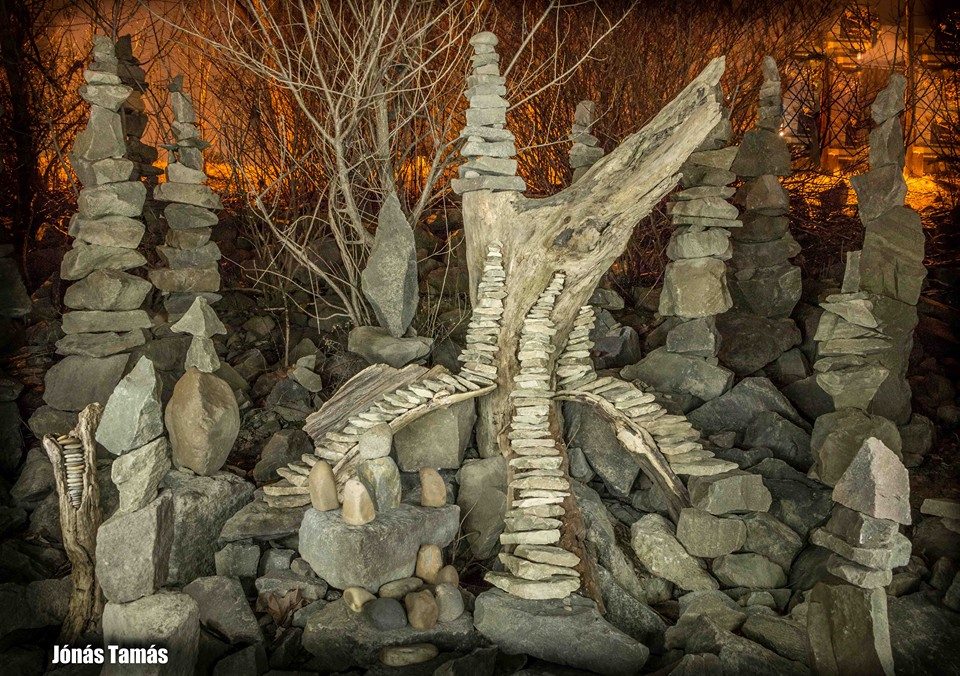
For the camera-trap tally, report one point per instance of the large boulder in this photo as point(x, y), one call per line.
point(170, 620)
point(669, 372)
point(133, 551)
point(75, 381)
point(203, 420)
point(569, 631)
point(482, 499)
point(914, 622)
point(597, 439)
point(224, 609)
point(436, 440)
point(377, 552)
point(736, 409)
point(838, 436)
point(848, 630)
point(201, 507)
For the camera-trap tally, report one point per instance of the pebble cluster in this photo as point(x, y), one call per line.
point(192, 259)
point(74, 464)
point(538, 567)
point(489, 146)
point(339, 448)
point(586, 149)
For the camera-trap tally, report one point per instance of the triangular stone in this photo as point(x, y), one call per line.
point(200, 320)
point(876, 484)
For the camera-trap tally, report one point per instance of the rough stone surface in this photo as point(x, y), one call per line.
point(707, 536)
point(735, 492)
point(848, 630)
point(224, 609)
point(736, 409)
point(137, 474)
point(575, 635)
point(389, 282)
point(132, 416)
point(669, 372)
point(876, 483)
point(589, 432)
point(483, 502)
point(167, 619)
point(753, 571)
point(371, 555)
point(377, 346)
point(695, 288)
point(838, 436)
point(75, 381)
point(203, 420)
point(436, 440)
point(658, 549)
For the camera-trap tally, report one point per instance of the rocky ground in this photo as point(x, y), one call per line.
point(723, 590)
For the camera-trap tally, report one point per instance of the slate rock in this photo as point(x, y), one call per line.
point(848, 630)
point(707, 536)
point(171, 620)
point(913, 620)
point(596, 438)
point(436, 440)
point(389, 280)
point(837, 437)
point(734, 492)
point(695, 288)
point(259, 521)
point(736, 409)
point(799, 502)
point(654, 542)
point(749, 342)
point(668, 372)
point(482, 499)
point(377, 346)
point(224, 609)
point(137, 474)
point(750, 570)
point(107, 290)
point(876, 483)
point(75, 381)
point(788, 442)
point(132, 416)
point(281, 449)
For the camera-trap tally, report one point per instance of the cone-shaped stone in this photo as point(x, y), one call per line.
point(433, 492)
point(200, 320)
point(133, 414)
point(876, 484)
point(323, 487)
point(202, 355)
point(358, 507)
point(389, 281)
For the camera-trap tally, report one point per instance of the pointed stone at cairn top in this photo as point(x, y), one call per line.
point(200, 320)
point(889, 102)
point(876, 484)
point(585, 150)
point(489, 146)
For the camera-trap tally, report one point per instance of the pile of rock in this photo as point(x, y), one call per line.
point(489, 146)
point(479, 355)
point(865, 334)
point(763, 282)
point(538, 567)
point(202, 323)
point(586, 149)
point(105, 319)
point(192, 259)
point(135, 118)
point(574, 365)
point(847, 621)
point(764, 286)
point(695, 280)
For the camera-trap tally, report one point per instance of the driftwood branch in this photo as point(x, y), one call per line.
point(80, 518)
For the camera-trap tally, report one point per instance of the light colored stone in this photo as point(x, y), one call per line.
point(203, 420)
point(132, 416)
point(876, 483)
point(433, 491)
point(323, 487)
point(658, 549)
point(137, 474)
point(171, 620)
point(358, 507)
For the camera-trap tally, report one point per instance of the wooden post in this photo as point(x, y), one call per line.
point(80, 518)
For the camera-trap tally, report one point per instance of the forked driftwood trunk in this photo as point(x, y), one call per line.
point(578, 233)
point(80, 518)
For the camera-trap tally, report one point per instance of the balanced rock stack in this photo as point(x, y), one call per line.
point(192, 259)
point(133, 110)
point(104, 318)
point(201, 322)
point(763, 282)
point(586, 147)
point(134, 545)
point(866, 331)
point(489, 146)
point(847, 623)
point(479, 356)
point(574, 366)
point(538, 484)
point(695, 280)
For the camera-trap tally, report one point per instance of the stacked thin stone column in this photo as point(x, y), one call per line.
point(763, 282)
point(489, 146)
point(538, 567)
point(586, 149)
point(695, 280)
point(192, 259)
point(575, 366)
point(865, 334)
point(134, 114)
point(847, 621)
point(479, 356)
point(104, 318)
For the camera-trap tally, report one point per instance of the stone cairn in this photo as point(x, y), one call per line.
point(847, 621)
point(586, 149)
point(134, 114)
point(479, 356)
point(763, 282)
point(340, 452)
point(192, 259)
point(489, 146)
point(695, 280)
point(866, 331)
point(132, 576)
point(104, 318)
point(538, 567)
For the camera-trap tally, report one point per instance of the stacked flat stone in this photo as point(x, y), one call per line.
point(586, 149)
point(74, 464)
point(104, 317)
point(674, 435)
point(538, 567)
point(479, 356)
point(695, 280)
point(763, 282)
point(871, 502)
point(192, 259)
point(847, 622)
point(489, 146)
point(865, 334)
point(134, 113)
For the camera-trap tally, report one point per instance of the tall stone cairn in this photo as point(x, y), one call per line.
point(695, 280)
point(479, 355)
point(586, 149)
point(763, 282)
point(489, 146)
point(135, 117)
point(192, 259)
point(865, 334)
point(104, 319)
point(538, 567)
point(847, 621)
